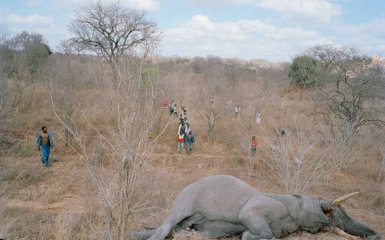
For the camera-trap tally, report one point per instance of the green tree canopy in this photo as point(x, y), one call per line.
point(303, 71)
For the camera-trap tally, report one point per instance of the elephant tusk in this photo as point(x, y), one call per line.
point(344, 234)
point(339, 200)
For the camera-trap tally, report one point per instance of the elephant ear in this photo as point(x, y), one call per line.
point(325, 206)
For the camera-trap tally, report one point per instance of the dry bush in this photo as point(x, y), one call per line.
point(302, 154)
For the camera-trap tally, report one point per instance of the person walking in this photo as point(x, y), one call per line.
point(258, 117)
point(183, 112)
point(164, 104)
point(45, 144)
point(180, 142)
point(253, 149)
point(189, 141)
point(237, 109)
point(181, 126)
point(171, 107)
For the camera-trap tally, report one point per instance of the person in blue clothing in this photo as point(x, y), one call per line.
point(44, 144)
point(189, 141)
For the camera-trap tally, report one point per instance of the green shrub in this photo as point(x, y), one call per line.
point(303, 71)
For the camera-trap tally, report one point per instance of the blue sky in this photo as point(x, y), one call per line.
point(272, 30)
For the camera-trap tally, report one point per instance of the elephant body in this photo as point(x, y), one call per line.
point(224, 206)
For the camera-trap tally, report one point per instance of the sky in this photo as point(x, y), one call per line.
point(271, 30)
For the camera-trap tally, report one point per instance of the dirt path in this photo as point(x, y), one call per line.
point(69, 203)
point(37, 189)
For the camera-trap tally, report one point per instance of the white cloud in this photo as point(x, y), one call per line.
point(298, 10)
point(244, 39)
point(318, 10)
point(35, 19)
point(147, 5)
point(369, 37)
point(33, 3)
point(220, 3)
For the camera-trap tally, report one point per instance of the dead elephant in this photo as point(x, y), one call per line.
point(224, 206)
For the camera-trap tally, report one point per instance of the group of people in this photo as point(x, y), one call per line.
point(172, 107)
point(258, 115)
point(186, 138)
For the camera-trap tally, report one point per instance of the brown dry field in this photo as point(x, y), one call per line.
point(37, 203)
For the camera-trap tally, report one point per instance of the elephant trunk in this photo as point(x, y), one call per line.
point(358, 229)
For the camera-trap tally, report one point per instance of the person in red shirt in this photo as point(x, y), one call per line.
point(253, 146)
point(164, 103)
point(180, 142)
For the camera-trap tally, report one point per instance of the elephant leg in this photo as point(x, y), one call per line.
point(170, 225)
point(188, 223)
point(219, 229)
point(253, 219)
point(257, 227)
point(247, 235)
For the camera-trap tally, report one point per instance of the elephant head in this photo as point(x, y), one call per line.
point(339, 218)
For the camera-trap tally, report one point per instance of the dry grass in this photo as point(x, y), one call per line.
point(24, 223)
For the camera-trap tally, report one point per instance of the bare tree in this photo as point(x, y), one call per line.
point(65, 89)
point(353, 88)
point(111, 30)
point(121, 140)
point(248, 126)
point(301, 157)
point(209, 110)
point(3, 34)
point(70, 47)
point(3, 73)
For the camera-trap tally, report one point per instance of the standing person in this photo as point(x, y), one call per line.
point(187, 127)
point(45, 144)
point(181, 126)
point(253, 146)
point(189, 141)
point(186, 131)
point(171, 107)
point(175, 109)
point(237, 110)
point(258, 117)
point(180, 142)
point(164, 103)
point(183, 112)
